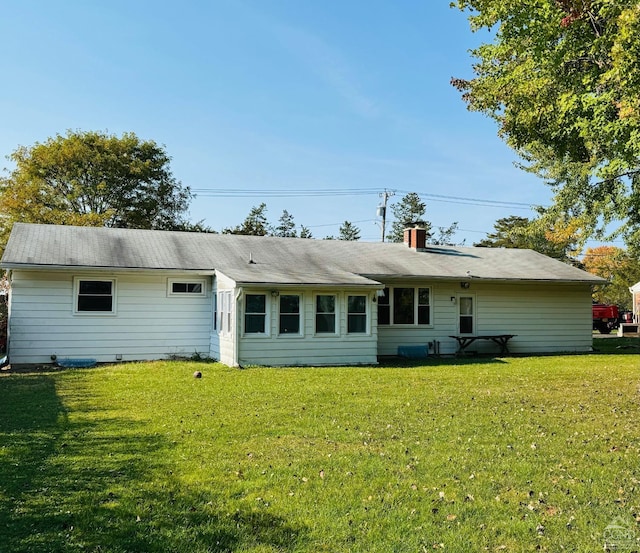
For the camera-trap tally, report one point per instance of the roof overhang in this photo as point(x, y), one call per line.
point(86, 268)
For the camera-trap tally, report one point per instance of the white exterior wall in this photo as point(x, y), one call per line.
point(545, 317)
point(147, 324)
point(309, 348)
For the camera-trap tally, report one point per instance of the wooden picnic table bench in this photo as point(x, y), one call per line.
point(500, 339)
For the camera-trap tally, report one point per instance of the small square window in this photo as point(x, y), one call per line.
point(94, 296)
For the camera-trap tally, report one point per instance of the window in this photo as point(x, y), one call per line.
point(325, 314)
point(255, 311)
point(356, 314)
point(95, 296)
point(215, 311)
point(466, 314)
point(403, 302)
point(404, 306)
point(289, 314)
point(224, 312)
point(424, 306)
point(384, 309)
point(186, 287)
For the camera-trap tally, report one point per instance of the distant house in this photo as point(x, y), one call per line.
point(121, 294)
point(635, 292)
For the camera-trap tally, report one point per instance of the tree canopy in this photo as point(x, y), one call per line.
point(410, 209)
point(93, 178)
point(257, 224)
point(619, 268)
point(558, 242)
point(562, 80)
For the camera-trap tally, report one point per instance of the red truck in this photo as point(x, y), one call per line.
point(605, 317)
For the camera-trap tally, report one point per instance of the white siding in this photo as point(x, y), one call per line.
point(147, 323)
point(309, 348)
point(545, 317)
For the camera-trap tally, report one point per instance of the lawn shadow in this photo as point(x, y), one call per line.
point(70, 482)
point(617, 345)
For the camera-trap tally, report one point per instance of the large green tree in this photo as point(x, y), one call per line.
point(562, 80)
point(93, 178)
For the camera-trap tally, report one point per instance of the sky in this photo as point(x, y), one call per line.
point(312, 107)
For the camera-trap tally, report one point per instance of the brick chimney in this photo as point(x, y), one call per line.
point(415, 237)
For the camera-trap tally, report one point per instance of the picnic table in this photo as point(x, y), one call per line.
point(500, 339)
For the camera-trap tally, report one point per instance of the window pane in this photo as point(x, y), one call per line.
point(357, 304)
point(424, 315)
point(384, 314)
point(356, 323)
point(466, 325)
point(253, 324)
point(289, 304)
point(289, 324)
point(403, 307)
point(255, 303)
point(95, 303)
point(95, 287)
point(326, 323)
point(466, 306)
point(384, 299)
point(325, 304)
point(423, 296)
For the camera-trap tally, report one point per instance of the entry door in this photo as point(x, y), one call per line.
point(466, 314)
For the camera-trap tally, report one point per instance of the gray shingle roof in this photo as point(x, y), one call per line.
point(274, 260)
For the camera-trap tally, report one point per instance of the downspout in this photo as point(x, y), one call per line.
point(237, 327)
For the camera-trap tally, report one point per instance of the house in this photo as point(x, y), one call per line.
point(124, 294)
point(635, 292)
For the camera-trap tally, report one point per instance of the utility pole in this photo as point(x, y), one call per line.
point(382, 209)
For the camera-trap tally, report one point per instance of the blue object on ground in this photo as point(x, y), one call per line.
point(413, 352)
point(77, 363)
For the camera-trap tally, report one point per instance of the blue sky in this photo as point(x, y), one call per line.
point(270, 95)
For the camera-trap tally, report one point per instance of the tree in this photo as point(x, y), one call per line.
point(305, 232)
point(255, 224)
point(444, 236)
point(409, 210)
point(520, 232)
point(286, 226)
point(619, 268)
point(348, 232)
point(562, 80)
point(93, 178)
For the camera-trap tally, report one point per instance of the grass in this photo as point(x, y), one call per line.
point(512, 454)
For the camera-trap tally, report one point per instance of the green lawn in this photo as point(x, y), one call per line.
point(513, 454)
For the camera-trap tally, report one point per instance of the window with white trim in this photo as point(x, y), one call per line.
point(289, 314)
point(466, 314)
point(94, 295)
point(356, 314)
point(405, 306)
point(178, 287)
point(224, 312)
point(255, 313)
point(325, 314)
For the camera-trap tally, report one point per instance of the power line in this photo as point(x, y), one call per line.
point(332, 192)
